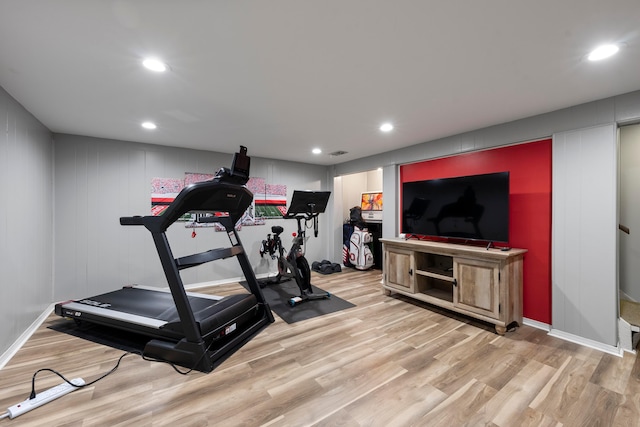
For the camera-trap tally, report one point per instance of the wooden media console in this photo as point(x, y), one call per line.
point(482, 283)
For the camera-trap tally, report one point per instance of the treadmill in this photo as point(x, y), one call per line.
point(196, 331)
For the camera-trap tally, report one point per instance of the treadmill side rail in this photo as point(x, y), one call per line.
point(79, 311)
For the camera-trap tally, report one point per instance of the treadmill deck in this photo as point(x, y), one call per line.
point(147, 309)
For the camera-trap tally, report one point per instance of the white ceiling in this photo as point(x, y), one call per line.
point(283, 76)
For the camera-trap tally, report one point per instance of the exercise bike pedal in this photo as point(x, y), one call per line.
point(308, 297)
point(293, 301)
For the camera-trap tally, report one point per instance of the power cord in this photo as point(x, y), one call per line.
point(33, 379)
point(36, 400)
point(173, 365)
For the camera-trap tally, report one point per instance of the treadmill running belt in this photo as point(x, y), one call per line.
point(159, 305)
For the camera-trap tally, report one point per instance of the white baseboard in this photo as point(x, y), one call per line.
point(536, 324)
point(11, 351)
point(623, 295)
point(616, 351)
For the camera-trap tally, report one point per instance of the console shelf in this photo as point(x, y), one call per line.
point(482, 283)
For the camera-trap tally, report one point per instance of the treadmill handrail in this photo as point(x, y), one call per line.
point(207, 256)
point(131, 220)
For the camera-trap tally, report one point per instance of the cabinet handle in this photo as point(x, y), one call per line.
point(455, 282)
point(411, 272)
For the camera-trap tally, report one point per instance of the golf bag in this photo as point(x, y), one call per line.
point(356, 247)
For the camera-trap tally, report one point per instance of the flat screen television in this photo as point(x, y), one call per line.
point(467, 208)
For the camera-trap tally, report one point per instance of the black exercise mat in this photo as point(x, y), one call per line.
point(278, 296)
point(111, 337)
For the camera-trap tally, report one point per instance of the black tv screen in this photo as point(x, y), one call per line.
point(474, 207)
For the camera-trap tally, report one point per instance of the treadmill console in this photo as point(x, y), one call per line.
point(239, 172)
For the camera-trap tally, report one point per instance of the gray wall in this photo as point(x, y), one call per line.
point(97, 181)
point(622, 109)
point(26, 220)
point(584, 230)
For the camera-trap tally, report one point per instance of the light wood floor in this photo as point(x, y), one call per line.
point(386, 362)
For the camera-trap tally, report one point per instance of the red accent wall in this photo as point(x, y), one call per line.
point(529, 167)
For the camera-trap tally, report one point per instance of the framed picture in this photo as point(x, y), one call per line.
point(371, 201)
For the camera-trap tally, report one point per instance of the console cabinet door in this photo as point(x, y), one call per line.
point(399, 269)
point(478, 286)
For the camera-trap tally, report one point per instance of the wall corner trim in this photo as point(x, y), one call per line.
point(17, 345)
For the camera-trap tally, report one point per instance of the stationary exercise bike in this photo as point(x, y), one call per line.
point(272, 244)
point(305, 205)
point(273, 247)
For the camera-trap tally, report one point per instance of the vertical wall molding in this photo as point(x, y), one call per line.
point(584, 237)
point(390, 191)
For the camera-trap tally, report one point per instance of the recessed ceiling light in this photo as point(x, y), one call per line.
point(149, 125)
point(386, 127)
point(316, 151)
point(154, 64)
point(602, 52)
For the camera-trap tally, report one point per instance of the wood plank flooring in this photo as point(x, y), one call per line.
point(389, 361)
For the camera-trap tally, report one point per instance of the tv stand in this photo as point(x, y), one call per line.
point(483, 283)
